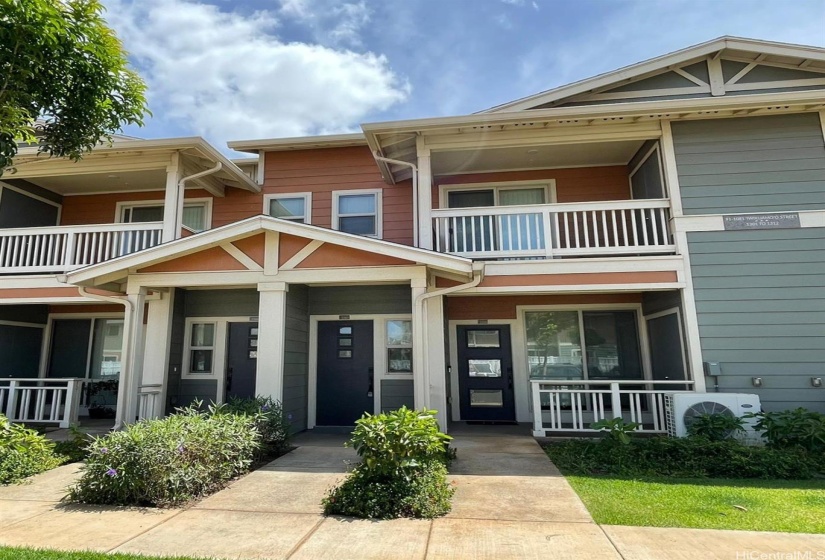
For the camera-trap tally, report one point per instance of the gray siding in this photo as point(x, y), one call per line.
point(205, 390)
point(360, 300)
point(760, 298)
point(758, 164)
point(19, 210)
point(221, 303)
point(296, 354)
point(396, 393)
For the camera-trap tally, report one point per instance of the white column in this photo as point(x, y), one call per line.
point(269, 377)
point(436, 362)
point(131, 358)
point(421, 394)
point(425, 195)
point(156, 350)
point(172, 200)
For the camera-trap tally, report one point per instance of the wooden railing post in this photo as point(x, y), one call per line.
point(538, 422)
point(70, 408)
point(68, 250)
point(615, 400)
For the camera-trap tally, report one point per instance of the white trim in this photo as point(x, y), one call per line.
point(822, 123)
point(717, 78)
point(379, 218)
point(307, 196)
point(670, 171)
point(18, 190)
point(302, 254)
point(22, 324)
point(206, 202)
point(379, 357)
point(694, 343)
point(46, 346)
point(682, 340)
point(241, 257)
point(664, 92)
point(777, 84)
point(220, 351)
point(549, 186)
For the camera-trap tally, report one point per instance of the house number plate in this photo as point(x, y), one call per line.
point(784, 220)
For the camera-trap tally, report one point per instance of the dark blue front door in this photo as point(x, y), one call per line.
point(345, 379)
point(485, 370)
point(241, 360)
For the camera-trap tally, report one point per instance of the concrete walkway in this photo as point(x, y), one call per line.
point(510, 502)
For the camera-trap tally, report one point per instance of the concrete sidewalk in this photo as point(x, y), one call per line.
point(510, 502)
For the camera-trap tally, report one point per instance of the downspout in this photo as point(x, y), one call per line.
point(414, 170)
point(181, 186)
point(418, 336)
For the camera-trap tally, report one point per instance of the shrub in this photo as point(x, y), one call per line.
point(269, 420)
point(403, 469)
point(168, 461)
point(692, 457)
point(618, 431)
point(24, 452)
point(75, 448)
point(791, 428)
point(716, 427)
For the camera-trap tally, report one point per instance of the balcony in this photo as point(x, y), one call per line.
point(55, 250)
point(590, 229)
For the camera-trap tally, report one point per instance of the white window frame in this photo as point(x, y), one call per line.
point(682, 340)
point(549, 186)
point(219, 352)
point(379, 215)
point(307, 196)
point(388, 347)
point(206, 202)
point(191, 348)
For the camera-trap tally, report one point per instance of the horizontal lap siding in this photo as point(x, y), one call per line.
point(504, 307)
point(396, 393)
point(102, 208)
point(296, 357)
point(756, 164)
point(581, 184)
point(760, 299)
point(338, 169)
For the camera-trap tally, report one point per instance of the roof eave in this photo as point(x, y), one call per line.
point(298, 143)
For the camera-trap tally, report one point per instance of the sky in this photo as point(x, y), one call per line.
point(248, 69)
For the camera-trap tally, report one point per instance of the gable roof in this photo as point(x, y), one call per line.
point(256, 225)
point(742, 47)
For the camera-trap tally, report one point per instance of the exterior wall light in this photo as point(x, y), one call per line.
point(757, 381)
point(816, 381)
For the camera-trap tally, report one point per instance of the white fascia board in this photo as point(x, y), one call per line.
point(298, 143)
point(258, 224)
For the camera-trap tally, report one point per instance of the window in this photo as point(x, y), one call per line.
point(195, 214)
point(503, 194)
point(399, 346)
point(201, 348)
point(357, 212)
point(293, 207)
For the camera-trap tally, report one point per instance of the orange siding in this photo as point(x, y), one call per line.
point(86, 308)
point(102, 208)
point(214, 259)
point(289, 246)
point(8, 293)
point(254, 247)
point(579, 184)
point(335, 256)
point(504, 307)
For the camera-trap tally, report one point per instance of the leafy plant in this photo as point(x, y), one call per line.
point(403, 469)
point(789, 428)
point(24, 452)
point(716, 427)
point(270, 421)
point(618, 431)
point(75, 447)
point(169, 461)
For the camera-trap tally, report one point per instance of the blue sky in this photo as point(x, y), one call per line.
point(243, 69)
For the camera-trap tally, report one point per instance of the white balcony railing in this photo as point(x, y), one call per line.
point(41, 401)
point(627, 227)
point(564, 405)
point(149, 405)
point(64, 248)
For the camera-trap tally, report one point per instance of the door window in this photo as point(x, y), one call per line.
point(201, 348)
point(399, 346)
point(484, 368)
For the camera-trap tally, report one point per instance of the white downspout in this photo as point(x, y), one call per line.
point(180, 194)
point(414, 170)
point(418, 335)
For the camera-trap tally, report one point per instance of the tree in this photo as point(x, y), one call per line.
point(65, 83)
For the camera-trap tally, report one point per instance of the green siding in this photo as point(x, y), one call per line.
point(296, 357)
point(757, 164)
point(360, 300)
point(173, 387)
point(396, 393)
point(221, 303)
point(760, 299)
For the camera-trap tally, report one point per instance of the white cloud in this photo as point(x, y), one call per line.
point(228, 76)
point(330, 21)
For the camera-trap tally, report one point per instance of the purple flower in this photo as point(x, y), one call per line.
point(181, 448)
point(264, 408)
point(111, 472)
point(104, 450)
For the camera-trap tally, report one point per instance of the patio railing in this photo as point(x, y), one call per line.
point(41, 401)
point(149, 403)
point(572, 405)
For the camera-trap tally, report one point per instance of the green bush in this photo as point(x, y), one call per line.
point(269, 420)
point(24, 452)
point(716, 427)
point(75, 448)
point(403, 471)
point(792, 428)
point(692, 457)
point(169, 461)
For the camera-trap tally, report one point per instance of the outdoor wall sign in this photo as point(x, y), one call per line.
point(781, 220)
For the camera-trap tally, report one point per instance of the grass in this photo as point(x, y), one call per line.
point(794, 506)
point(15, 553)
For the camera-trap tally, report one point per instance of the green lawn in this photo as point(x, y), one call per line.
point(796, 506)
point(13, 553)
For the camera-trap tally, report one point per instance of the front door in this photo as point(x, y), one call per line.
point(345, 372)
point(485, 373)
point(241, 360)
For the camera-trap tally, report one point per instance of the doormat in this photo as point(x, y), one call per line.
point(491, 423)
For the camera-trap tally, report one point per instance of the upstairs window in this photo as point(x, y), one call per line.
point(292, 207)
point(357, 212)
point(196, 215)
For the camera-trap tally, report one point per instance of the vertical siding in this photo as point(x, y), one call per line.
point(296, 357)
point(757, 164)
point(760, 298)
point(580, 184)
point(396, 393)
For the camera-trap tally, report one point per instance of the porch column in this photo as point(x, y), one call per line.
point(131, 357)
point(436, 363)
point(425, 195)
point(172, 200)
point(269, 377)
point(419, 322)
point(156, 351)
